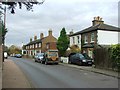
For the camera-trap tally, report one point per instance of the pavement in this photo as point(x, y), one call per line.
point(13, 77)
point(95, 70)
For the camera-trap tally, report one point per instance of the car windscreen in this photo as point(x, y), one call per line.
point(81, 56)
point(41, 54)
point(51, 54)
point(86, 56)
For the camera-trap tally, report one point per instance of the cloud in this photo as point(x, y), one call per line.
point(56, 14)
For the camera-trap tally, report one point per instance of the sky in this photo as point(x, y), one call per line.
point(74, 15)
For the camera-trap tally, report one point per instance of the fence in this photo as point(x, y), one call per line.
point(103, 59)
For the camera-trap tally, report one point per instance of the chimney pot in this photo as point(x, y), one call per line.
point(97, 20)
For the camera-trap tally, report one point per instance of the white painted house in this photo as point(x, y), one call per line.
point(75, 40)
point(97, 34)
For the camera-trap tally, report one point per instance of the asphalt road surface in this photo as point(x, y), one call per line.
point(60, 76)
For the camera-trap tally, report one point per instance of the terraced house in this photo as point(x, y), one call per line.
point(99, 34)
point(40, 45)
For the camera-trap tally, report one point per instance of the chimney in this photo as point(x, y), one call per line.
point(35, 38)
point(30, 39)
point(97, 20)
point(50, 32)
point(71, 32)
point(41, 35)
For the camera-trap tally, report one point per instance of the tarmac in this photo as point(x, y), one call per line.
point(13, 77)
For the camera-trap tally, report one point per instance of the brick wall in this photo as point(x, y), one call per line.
point(47, 40)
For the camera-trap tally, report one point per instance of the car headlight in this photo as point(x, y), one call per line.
point(84, 60)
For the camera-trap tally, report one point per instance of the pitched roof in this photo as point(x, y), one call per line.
point(98, 27)
point(36, 41)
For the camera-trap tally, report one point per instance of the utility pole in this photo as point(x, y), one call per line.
point(4, 31)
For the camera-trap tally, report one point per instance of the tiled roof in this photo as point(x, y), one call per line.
point(98, 27)
point(33, 42)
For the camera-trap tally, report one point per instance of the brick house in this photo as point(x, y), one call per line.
point(40, 45)
point(98, 34)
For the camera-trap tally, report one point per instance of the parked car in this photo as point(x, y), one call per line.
point(5, 55)
point(78, 58)
point(18, 55)
point(87, 57)
point(51, 56)
point(39, 57)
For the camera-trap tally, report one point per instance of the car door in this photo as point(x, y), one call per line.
point(77, 58)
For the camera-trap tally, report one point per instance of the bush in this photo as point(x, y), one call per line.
point(115, 55)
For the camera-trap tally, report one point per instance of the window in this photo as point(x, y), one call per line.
point(73, 40)
point(92, 37)
point(86, 39)
point(35, 45)
point(78, 38)
point(39, 44)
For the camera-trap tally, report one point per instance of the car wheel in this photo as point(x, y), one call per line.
point(80, 63)
point(46, 63)
point(56, 63)
point(69, 62)
point(35, 60)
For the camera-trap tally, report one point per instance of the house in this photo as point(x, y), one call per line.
point(98, 34)
point(40, 45)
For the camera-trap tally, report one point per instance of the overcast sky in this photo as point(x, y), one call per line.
point(56, 14)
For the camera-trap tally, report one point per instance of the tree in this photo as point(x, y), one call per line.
point(28, 3)
point(75, 49)
point(14, 50)
point(63, 42)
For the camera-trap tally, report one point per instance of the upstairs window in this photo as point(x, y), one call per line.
point(73, 40)
point(86, 39)
point(78, 39)
point(39, 44)
point(92, 37)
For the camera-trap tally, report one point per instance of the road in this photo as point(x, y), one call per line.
point(60, 76)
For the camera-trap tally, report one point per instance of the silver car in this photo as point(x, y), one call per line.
point(39, 57)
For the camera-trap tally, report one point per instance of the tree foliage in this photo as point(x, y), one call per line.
point(14, 50)
point(75, 49)
point(115, 55)
point(63, 42)
point(4, 31)
point(28, 4)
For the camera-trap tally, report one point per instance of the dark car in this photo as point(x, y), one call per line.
point(87, 57)
point(39, 57)
point(78, 58)
point(18, 55)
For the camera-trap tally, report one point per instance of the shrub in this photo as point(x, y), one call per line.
point(115, 55)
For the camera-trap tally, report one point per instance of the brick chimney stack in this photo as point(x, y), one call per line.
point(50, 32)
point(97, 20)
point(35, 38)
point(30, 39)
point(41, 35)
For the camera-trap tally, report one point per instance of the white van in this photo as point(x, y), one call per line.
point(5, 55)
